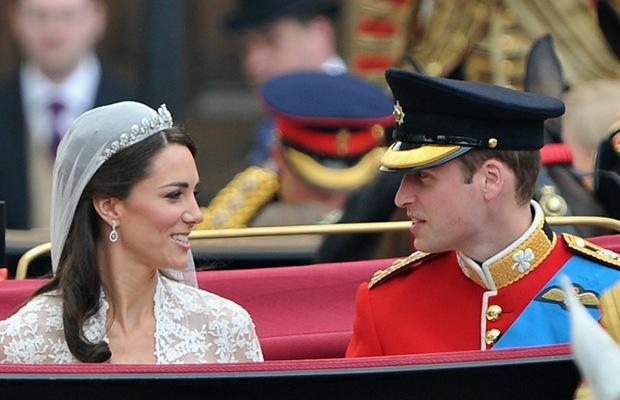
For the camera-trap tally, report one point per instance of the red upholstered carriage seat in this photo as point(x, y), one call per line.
point(300, 312)
point(611, 242)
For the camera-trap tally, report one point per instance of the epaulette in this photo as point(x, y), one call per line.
point(396, 266)
point(237, 203)
point(592, 251)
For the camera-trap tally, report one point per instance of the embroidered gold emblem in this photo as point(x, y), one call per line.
point(556, 295)
point(399, 114)
point(377, 132)
point(343, 137)
point(382, 274)
point(592, 251)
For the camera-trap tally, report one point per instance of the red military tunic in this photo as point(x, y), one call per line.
point(436, 303)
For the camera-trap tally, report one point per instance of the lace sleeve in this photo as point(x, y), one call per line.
point(235, 330)
point(35, 334)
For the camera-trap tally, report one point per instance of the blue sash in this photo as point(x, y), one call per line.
point(545, 322)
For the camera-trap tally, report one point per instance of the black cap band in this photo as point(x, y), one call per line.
point(443, 129)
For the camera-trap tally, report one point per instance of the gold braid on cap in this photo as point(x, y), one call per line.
point(335, 178)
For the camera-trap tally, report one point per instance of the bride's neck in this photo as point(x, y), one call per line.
point(129, 286)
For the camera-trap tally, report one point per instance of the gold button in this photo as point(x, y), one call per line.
point(492, 143)
point(492, 336)
point(494, 312)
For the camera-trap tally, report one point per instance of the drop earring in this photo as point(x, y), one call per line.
point(113, 233)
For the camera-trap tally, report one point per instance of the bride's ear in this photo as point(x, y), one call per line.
point(107, 207)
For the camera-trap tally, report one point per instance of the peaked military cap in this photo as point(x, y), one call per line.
point(439, 119)
point(252, 14)
point(331, 126)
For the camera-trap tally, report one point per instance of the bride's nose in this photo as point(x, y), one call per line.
point(193, 214)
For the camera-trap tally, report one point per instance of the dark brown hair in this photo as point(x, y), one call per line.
point(77, 278)
point(525, 164)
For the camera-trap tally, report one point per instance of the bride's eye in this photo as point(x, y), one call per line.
point(174, 195)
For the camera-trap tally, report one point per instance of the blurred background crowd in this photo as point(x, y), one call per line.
point(207, 61)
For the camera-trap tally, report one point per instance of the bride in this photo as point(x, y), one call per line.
point(124, 286)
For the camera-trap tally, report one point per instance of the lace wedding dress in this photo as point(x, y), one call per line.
point(192, 326)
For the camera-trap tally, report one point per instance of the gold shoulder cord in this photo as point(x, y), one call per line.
point(238, 202)
point(397, 265)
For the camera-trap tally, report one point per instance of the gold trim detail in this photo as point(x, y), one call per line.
point(592, 251)
point(397, 265)
point(332, 178)
point(343, 137)
point(399, 159)
point(519, 262)
point(237, 203)
point(557, 295)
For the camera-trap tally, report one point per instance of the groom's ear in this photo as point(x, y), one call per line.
point(107, 208)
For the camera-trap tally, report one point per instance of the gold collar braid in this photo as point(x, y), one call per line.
point(523, 259)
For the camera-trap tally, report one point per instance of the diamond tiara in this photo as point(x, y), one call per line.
point(144, 129)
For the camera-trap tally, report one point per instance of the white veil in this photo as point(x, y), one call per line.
point(91, 140)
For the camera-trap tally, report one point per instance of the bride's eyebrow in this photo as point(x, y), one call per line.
point(176, 184)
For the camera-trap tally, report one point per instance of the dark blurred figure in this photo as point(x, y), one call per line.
point(607, 171)
point(281, 36)
point(607, 161)
point(59, 78)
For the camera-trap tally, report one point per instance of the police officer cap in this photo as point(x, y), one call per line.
point(439, 119)
point(330, 126)
point(252, 14)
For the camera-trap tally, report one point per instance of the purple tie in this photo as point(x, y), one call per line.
point(56, 107)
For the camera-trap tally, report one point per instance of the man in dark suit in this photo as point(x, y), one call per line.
point(59, 78)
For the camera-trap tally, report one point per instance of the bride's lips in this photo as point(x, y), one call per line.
point(182, 239)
